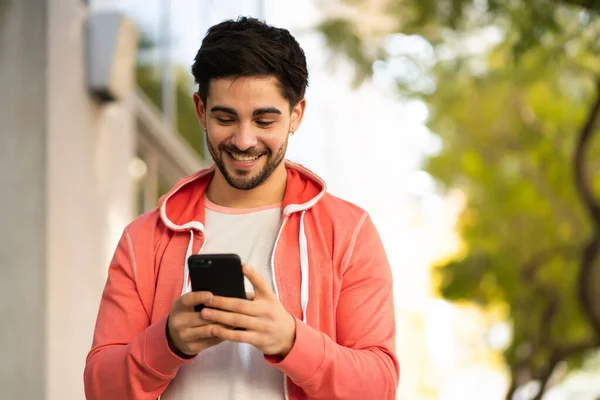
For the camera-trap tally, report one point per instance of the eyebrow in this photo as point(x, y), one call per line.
point(258, 111)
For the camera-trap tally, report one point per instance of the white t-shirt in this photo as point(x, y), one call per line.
point(234, 371)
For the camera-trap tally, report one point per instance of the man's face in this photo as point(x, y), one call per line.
point(247, 122)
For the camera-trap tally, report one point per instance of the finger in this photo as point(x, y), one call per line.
point(181, 321)
point(191, 299)
point(194, 318)
point(261, 287)
point(188, 319)
point(250, 337)
point(199, 332)
point(239, 306)
point(232, 319)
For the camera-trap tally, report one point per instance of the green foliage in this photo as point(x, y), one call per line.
point(187, 121)
point(341, 35)
point(509, 129)
point(509, 139)
point(508, 144)
point(527, 24)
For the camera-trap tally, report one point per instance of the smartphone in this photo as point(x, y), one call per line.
point(220, 274)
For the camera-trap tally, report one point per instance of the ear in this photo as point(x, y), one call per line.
point(297, 115)
point(200, 109)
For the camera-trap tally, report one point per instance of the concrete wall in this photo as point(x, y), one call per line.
point(23, 161)
point(65, 195)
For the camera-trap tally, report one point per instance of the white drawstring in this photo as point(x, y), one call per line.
point(187, 285)
point(303, 268)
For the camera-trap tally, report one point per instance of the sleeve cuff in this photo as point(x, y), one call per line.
point(306, 357)
point(159, 356)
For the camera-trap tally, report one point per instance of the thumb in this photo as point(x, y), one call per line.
point(261, 287)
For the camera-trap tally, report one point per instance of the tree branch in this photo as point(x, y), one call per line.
point(558, 354)
point(586, 282)
point(512, 388)
point(563, 354)
point(581, 182)
point(591, 250)
point(591, 5)
point(529, 268)
point(544, 382)
point(568, 351)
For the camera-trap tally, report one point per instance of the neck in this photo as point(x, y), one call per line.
point(269, 192)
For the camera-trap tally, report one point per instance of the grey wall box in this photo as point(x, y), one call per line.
point(111, 55)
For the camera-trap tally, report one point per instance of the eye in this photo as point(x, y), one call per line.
point(264, 124)
point(225, 121)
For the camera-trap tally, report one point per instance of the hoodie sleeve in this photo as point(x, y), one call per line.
point(130, 358)
point(362, 364)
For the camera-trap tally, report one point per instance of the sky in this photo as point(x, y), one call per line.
point(368, 144)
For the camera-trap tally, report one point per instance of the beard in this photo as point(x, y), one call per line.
point(242, 179)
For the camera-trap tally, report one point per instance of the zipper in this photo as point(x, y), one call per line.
point(285, 391)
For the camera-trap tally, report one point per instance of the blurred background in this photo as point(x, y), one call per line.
point(467, 128)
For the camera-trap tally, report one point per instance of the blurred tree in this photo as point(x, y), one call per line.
point(509, 144)
point(517, 123)
point(358, 28)
point(148, 79)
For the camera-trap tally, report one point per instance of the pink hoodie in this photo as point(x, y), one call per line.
point(330, 271)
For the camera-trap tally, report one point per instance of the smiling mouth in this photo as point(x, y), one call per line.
point(243, 158)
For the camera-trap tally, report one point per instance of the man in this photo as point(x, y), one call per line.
point(321, 323)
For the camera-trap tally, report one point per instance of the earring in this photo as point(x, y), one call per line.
point(292, 132)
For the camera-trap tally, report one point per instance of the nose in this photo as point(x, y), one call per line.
point(244, 137)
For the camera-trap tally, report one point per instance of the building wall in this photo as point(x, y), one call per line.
point(66, 196)
point(22, 199)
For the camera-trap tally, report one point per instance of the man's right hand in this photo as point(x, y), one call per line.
point(187, 332)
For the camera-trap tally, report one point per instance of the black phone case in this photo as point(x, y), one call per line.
point(220, 274)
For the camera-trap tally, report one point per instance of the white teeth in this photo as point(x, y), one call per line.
point(238, 157)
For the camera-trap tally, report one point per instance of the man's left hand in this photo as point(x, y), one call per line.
point(269, 327)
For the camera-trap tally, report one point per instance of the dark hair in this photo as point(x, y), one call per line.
point(249, 47)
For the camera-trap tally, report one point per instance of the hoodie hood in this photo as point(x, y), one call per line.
point(182, 209)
